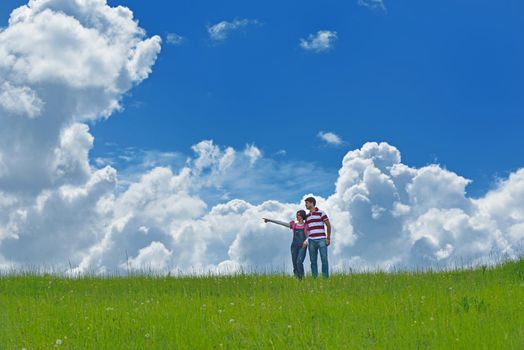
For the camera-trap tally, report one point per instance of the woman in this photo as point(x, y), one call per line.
point(299, 243)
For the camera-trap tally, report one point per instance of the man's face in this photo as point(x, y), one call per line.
point(309, 205)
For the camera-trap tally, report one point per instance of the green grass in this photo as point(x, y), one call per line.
point(472, 309)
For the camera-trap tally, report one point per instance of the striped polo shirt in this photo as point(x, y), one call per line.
point(315, 223)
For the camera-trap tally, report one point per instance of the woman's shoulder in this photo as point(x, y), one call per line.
point(294, 224)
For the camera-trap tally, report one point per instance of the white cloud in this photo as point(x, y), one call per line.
point(322, 41)
point(221, 30)
point(384, 214)
point(253, 153)
point(505, 205)
point(21, 101)
point(63, 62)
point(330, 138)
point(3, 168)
point(155, 256)
point(374, 5)
point(219, 173)
point(174, 39)
point(71, 155)
point(424, 216)
point(142, 58)
point(59, 224)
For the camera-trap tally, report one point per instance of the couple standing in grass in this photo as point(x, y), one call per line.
point(311, 230)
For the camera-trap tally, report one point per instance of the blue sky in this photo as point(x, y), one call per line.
point(440, 80)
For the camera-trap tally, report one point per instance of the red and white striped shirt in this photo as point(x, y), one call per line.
point(315, 223)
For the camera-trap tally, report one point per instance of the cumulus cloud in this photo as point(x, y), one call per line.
point(505, 205)
point(384, 214)
point(62, 62)
point(322, 41)
point(20, 101)
point(221, 30)
point(330, 138)
point(155, 256)
point(57, 226)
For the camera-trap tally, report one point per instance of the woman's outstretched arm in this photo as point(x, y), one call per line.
point(286, 224)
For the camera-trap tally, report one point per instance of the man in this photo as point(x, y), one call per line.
point(318, 240)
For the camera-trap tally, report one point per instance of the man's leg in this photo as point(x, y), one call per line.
point(313, 253)
point(294, 257)
point(324, 257)
point(300, 262)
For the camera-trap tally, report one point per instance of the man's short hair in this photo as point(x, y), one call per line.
point(311, 200)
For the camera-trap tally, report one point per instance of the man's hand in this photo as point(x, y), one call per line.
point(304, 245)
point(328, 226)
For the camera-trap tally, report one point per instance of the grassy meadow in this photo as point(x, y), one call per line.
point(481, 308)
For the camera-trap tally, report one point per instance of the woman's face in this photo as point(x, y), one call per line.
point(299, 218)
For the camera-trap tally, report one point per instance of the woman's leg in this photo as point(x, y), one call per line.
point(294, 257)
point(300, 262)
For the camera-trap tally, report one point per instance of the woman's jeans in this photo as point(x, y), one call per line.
point(298, 254)
point(316, 246)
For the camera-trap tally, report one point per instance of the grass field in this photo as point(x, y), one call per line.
point(479, 308)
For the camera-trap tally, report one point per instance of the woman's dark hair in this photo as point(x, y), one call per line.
point(303, 214)
point(311, 200)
